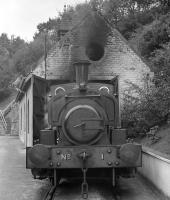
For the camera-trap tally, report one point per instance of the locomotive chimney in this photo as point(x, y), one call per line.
point(81, 64)
point(81, 70)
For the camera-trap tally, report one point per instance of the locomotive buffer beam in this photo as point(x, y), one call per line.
point(58, 157)
point(84, 187)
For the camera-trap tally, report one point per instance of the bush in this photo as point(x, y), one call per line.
point(147, 108)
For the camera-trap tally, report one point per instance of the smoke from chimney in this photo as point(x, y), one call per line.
point(91, 36)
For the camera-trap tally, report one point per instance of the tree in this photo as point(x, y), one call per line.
point(157, 35)
point(154, 103)
point(4, 41)
point(15, 44)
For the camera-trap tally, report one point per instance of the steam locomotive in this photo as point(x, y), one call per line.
point(78, 133)
point(83, 138)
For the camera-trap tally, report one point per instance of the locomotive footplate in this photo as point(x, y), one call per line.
point(128, 155)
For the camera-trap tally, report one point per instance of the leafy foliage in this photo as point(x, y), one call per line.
point(155, 37)
point(18, 57)
point(152, 105)
point(26, 58)
point(149, 107)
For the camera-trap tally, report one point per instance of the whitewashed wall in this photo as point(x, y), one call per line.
point(156, 168)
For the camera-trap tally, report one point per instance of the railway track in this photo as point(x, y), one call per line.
point(50, 193)
point(128, 189)
point(72, 191)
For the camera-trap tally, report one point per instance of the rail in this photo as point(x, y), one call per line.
point(3, 120)
point(156, 168)
point(50, 193)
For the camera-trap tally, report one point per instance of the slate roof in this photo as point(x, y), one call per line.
point(119, 58)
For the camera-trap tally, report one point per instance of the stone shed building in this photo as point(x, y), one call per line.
point(95, 40)
point(91, 39)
